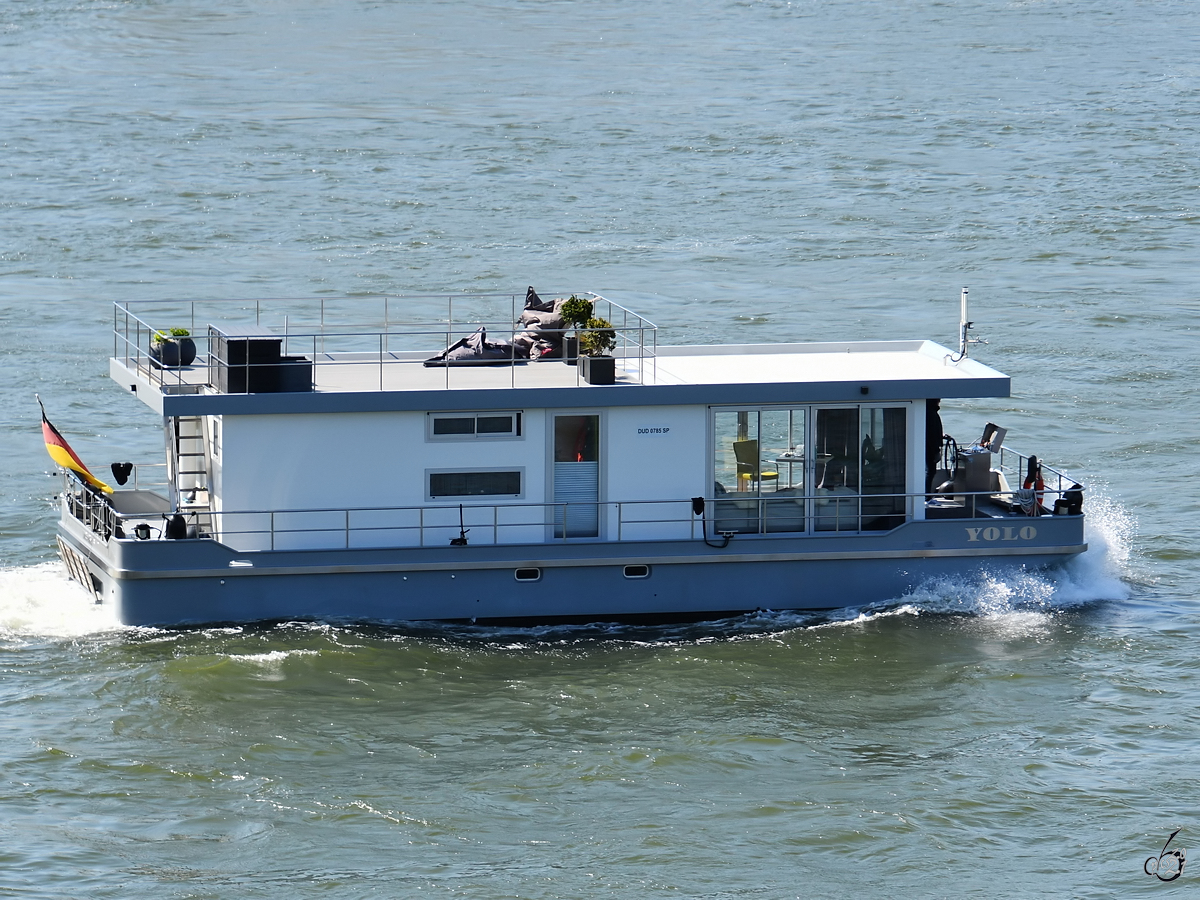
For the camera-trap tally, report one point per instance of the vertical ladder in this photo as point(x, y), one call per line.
point(191, 469)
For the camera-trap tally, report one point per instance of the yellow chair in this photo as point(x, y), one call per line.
point(746, 453)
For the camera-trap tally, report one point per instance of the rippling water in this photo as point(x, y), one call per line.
point(738, 171)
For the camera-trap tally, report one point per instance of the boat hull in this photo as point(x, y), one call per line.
point(168, 583)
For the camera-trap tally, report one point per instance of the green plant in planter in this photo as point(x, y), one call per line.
point(576, 311)
point(597, 337)
point(173, 347)
point(160, 336)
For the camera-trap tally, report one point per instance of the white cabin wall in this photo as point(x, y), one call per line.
point(355, 460)
point(665, 464)
point(362, 461)
point(654, 453)
point(313, 461)
point(372, 460)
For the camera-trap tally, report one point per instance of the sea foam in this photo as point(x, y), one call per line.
point(40, 601)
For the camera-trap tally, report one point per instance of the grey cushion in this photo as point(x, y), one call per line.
point(474, 350)
point(534, 302)
point(544, 319)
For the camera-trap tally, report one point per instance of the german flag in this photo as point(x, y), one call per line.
point(60, 451)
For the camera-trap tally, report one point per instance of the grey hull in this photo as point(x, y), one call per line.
point(189, 582)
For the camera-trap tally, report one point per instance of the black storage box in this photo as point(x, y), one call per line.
point(294, 374)
point(248, 361)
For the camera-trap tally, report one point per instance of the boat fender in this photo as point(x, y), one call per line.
point(1070, 503)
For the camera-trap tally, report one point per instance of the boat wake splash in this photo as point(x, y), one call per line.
point(41, 602)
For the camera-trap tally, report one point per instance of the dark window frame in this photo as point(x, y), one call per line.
point(467, 476)
point(476, 418)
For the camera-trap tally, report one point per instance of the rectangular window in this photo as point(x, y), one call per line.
point(884, 467)
point(478, 483)
point(759, 450)
point(446, 425)
point(759, 470)
point(836, 469)
point(832, 468)
point(468, 426)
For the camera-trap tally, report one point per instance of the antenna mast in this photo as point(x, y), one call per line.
point(964, 328)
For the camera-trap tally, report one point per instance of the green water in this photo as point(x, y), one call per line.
point(737, 171)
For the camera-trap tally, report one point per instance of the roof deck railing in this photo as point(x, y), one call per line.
point(382, 332)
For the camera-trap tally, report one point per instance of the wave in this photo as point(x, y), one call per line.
point(40, 601)
point(1102, 574)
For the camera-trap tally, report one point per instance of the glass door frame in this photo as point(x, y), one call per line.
point(809, 475)
point(555, 528)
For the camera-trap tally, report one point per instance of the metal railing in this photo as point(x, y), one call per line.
point(1011, 463)
point(334, 333)
point(545, 523)
point(1014, 463)
point(93, 510)
point(147, 477)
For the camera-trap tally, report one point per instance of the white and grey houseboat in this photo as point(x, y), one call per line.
point(454, 458)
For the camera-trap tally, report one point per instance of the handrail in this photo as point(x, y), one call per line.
point(542, 523)
point(367, 332)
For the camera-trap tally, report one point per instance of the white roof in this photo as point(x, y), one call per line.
point(865, 361)
point(712, 375)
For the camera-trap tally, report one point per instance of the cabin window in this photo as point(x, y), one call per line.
point(475, 483)
point(759, 469)
point(835, 468)
point(759, 450)
point(884, 468)
point(469, 426)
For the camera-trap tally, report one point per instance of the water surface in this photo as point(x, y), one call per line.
point(737, 171)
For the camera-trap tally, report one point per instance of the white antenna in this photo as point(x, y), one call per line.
point(964, 328)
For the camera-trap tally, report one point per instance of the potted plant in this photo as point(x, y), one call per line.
point(576, 312)
point(595, 340)
point(173, 348)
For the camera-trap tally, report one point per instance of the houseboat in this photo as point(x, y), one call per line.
point(511, 458)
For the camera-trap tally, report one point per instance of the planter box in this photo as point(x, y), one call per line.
point(599, 369)
point(173, 353)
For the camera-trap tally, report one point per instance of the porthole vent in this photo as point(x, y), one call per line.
point(528, 574)
point(637, 571)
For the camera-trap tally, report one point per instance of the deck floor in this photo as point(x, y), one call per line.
point(405, 371)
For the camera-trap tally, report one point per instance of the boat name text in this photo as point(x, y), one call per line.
point(1004, 533)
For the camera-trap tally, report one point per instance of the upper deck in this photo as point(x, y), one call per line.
point(369, 354)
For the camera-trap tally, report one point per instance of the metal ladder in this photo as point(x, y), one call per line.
point(191, 469)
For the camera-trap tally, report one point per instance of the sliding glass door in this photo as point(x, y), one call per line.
point(824, 468)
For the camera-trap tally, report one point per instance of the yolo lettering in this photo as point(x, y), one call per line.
point(1005, 533)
